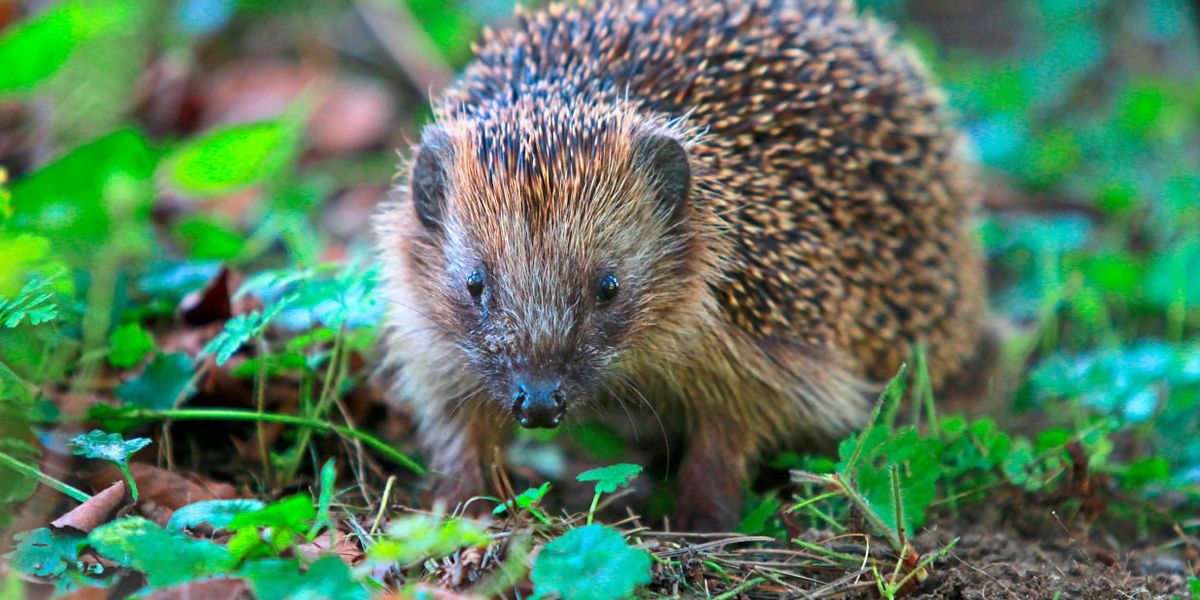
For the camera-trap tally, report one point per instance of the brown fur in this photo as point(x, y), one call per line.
point(825, 232)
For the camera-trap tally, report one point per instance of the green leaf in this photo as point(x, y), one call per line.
point(331, 295)
point(23, 253)
point(1145, 471)
point(611, 478)
point(167, 378)
point(208, 237)
point(218, 514)
point(37, 47)
point(1049, 439)
point(166, 557)
point(107, 446)
point(590, 563)
point(67, 201)
point(421, 537)
point(240, 330)
point(44, 552)
point(232, 158)
point(527, 499)
point(1174, 277)
point(755, 522)
point(272, 529)
point(129, 344)
point(33, 304)
point(279, 579)
point(281, 362)
point(172, 281)
point(918, 459)
point(325, 500)
point(600, 440)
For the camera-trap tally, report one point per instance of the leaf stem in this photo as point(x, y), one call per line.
point(592, 508)
point(867, 512)
point(323, 401)
point(260, 402)
point(124, 467)
point(31, 471)
point(233, 414)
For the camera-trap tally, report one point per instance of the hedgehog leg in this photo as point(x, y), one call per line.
point(459, 457)
point(711, 478)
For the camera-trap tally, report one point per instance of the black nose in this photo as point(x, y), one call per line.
point(538, 403)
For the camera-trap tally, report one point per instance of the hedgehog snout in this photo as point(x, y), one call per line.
point(538, 402)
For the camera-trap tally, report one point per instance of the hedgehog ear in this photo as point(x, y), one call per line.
point(428, 182)
point(667, 162)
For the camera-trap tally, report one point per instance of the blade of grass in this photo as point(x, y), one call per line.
point(233, 414)
point(20, 467)
point(332, 379)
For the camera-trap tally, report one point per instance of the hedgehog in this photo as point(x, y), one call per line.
point(742, 215)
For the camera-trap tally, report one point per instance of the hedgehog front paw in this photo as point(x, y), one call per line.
point(701, 512)
point(456, 496)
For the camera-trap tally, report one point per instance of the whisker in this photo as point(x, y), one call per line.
point(629, 383)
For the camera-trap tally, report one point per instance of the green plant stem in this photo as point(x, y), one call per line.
point(737, 591)
point(592, 508)
point(133, 493)
point(925, 562)
point(260, 402)
point(20, 467)
point(323, 402)
point(826, 552)
point(898, 504)
point(233, 414)
point(813, 500)
point(867, 512)
point(719, 569)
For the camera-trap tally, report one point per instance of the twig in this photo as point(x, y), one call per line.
point(387, 493)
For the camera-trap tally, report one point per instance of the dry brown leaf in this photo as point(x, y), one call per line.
point(355, 114)
point(207, 589)
point(213, 303)
point(345, 548)
point(254, 90)
point(94, 512)
point(162, 492)
point(86, 593)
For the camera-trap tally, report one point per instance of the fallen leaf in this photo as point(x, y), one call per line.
point(94, 512)
point(206, 589)
point(348, 215)
point(254, 91)
point(86, 593)
point(162, 492)
point(213, 303)
point(354, 115)
point(345, 548)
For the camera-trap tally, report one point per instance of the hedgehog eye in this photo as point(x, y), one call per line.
point(475, 283)
point(609, 286)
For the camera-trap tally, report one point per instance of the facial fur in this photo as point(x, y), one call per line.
point(545, 252)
